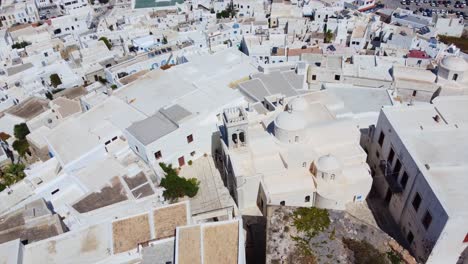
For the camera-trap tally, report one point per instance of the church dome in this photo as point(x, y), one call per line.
point(290, 121)
point(298, 104)
point(328, 164)
point(453, 63)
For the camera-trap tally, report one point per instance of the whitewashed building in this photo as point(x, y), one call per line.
point(295, 151)
point(418, 155)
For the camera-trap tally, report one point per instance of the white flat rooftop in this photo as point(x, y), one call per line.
point(440, 149)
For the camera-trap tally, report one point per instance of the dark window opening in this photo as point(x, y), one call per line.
point(158, 154)
point(190, 138)
point(391, 155)
point(337, 77)
point(114, 138)
point(242, 137)
point(416, 201)
point(404, 180)
point(415, 92)
point(234, 137)
point(55, 191)
point(282, 203)
point(396, 170)
point(307, 198)
point(427, 220)
point(410, 237)
point(314, 77)
point(381, 138)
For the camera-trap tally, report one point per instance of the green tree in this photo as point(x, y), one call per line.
point(176, 186)
point(12, 173)
point(21, 131)
point(230, 11)
point(20, 45)
point(55, 80)
point(21, 146)
point(106, 41)
point(328, 36)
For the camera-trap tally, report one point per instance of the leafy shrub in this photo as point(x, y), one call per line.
point(176, 186)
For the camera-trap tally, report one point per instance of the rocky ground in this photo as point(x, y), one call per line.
point(311, 235)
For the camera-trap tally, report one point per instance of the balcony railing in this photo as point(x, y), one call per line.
point(390, 176)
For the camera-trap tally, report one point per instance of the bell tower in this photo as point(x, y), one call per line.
point(236, 127)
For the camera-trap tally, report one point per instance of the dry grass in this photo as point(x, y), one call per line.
point(129, 232)
point(189, 245)
point(220, 243)
point(167, 219)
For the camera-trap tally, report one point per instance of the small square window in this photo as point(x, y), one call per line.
point(410, 237)
point(391, 155)
point(189, 138)
point(404, 180)
point(381, 138)
point(337, 77)
point(307, 199)
point(282, 203)
point(314, 77)
point(417, 201)
point(427, 220)
point(158, 154)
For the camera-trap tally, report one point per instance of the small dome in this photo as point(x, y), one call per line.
point(298, 104)
point(328, 163)
point(454, 63)
point(290, 121)
point(235, 25)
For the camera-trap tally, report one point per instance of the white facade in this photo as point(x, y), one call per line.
point(68, 5)
point(286, 157)
point(19, 13)
point(419, 158)
point(449, 26)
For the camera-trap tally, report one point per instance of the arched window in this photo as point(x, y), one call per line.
point(234, 138)
point(455, 76)
point(242, 137)
point(307, 199)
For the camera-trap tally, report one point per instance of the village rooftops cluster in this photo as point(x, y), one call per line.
point(172, 131)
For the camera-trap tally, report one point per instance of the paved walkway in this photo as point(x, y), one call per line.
point(212, 194)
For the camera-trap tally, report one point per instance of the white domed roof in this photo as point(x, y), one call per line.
point(328, 163)
point(298, 104)
point(454, 63)
point(290, 121)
